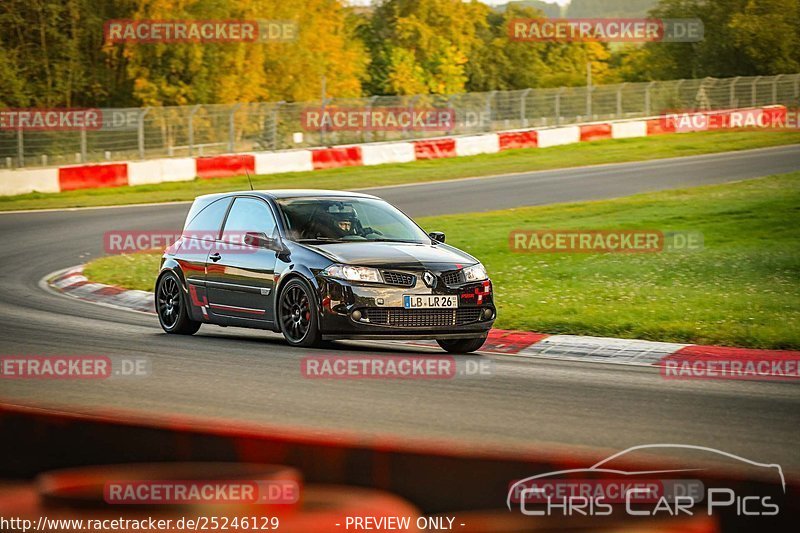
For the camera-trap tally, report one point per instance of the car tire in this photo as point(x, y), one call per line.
point(172, 308)
point(461, 345)
point(297, 314)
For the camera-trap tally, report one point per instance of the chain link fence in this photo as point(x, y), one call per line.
point(144, 133)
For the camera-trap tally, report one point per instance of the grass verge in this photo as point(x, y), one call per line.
point(524, 160)
point(741, 289)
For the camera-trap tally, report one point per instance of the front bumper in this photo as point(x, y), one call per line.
point(379, 312)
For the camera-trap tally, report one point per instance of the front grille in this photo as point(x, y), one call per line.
point(398, 278)
point(454, 277)
point(413, 318)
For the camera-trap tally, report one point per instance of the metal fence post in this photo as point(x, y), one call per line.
point(232, 127)
point(589, 101)
point(276, 112)
point(797, 89)
point(140, 132)
point(194, 110)
point(368, 131)
point(732, 102)
point(775, 89)
point(489, 121)
point(83, 145)
point(558, 105)
point(20, 148)
point(754, 91)
point(523, 118)
point(453, 124)
point(648, 98)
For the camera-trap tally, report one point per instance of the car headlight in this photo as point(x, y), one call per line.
point(475, 273)
point(353, 273)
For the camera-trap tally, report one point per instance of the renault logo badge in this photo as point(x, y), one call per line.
point(428, 278)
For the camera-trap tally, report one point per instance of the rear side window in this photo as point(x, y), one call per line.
point(207, 223)
point(248, 215)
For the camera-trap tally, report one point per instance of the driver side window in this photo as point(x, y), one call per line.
point(248, 215)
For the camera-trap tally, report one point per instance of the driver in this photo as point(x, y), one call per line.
point(345, 224)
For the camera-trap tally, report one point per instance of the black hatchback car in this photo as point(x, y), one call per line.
point(321, 265)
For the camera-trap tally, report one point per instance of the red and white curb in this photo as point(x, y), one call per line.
point(71, 282)
point(146, 172)
point(522, 344)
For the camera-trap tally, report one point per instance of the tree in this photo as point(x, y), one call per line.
point(742, 38)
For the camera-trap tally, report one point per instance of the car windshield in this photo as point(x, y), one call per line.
point(348, 219)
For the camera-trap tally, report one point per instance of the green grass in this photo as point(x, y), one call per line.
point(742, 289)
point(132, 271)
point(598, 152)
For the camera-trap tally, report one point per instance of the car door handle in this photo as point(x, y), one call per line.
point(215, 257)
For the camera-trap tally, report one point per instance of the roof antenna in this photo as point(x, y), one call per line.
point(248, 179)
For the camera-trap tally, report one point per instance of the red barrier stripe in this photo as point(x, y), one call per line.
point(345, 156)
point(518, 139)
point(595, 132)
point(435, 149)
point(92, 176)
point(222, 166)
point(659, 126)
point(775, 115)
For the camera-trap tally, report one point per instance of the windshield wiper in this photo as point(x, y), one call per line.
point(394, 240)
point(324, 239)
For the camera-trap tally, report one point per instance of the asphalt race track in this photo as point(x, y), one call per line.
point(246, 375)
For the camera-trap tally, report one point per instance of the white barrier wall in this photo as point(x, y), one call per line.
point(25, 181)
point(478, 144)
point(144, 172)
point(161, 170)
point(378, 154)
point(276, 162)
point(178, 169)
point(558, 136)
point(624, 130)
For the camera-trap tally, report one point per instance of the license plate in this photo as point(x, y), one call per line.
point(428, 301)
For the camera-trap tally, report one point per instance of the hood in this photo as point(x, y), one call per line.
point(394, 255)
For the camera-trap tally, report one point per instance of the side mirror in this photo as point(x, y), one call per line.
point(437, 236)
point(260, 240)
